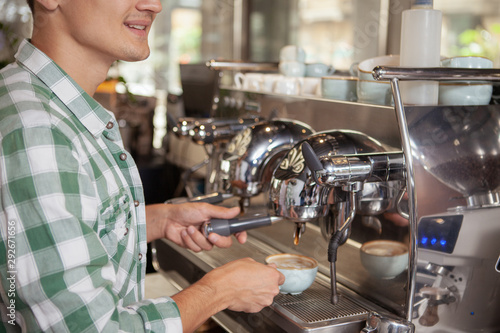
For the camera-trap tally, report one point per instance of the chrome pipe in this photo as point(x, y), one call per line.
point(242, 66)
point(412, 203)
point(436, 73)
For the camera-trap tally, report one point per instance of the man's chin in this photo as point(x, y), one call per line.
point(136, 56)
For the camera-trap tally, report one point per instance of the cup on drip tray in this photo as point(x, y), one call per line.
point(299, 271)
point(384, 259)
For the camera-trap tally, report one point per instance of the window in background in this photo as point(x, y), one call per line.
point(15, 25)
point(326, 31)
point(185, 44)
point(334, 32)
point(470, 28)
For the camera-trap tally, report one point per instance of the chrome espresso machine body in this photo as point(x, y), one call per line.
point(453, 165)
point(248, 162)
point(427, 176)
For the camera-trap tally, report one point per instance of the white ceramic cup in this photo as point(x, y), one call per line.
point(292, 53)
point(248, 81)
point(364, 69)
point(465, 92)
point(292, 68)
point(299, 271)
point(384, 259)
point(339, 87)
point(287, 86)
point(467, 62)
point(374, 92)
point(268, 81)
point(310, 86)
point(319, 70)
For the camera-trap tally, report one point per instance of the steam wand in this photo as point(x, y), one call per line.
point(338, 237)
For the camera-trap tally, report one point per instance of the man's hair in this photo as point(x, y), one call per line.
point(31, 3)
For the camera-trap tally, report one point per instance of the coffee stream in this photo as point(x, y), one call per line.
point(296, 239)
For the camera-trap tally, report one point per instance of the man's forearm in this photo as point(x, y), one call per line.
point(196, 304)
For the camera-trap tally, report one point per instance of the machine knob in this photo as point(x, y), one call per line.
point(382, 324)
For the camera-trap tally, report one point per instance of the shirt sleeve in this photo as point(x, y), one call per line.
point(63, 274)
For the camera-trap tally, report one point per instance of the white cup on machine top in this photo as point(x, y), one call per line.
point(319, 70)
point(292, 68)
point(292, 53)
point(310, 86)
point(268, 81)
point(374, 92)
point(369, 90)
point(287, 86)
point(363, 70)
point(248, 81)
point(465, 92)
point(339, 87)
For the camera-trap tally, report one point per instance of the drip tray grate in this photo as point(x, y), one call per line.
point(313, 305)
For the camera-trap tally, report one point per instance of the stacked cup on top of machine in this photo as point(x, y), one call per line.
point(292, 67)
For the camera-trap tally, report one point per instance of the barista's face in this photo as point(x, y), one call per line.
point(110, 29)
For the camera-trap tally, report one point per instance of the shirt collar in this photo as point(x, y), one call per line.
point(90, 113)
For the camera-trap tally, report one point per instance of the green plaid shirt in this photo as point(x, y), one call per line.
point(72, 213)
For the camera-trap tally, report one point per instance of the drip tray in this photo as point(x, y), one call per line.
point(310, 311)
point(313, 306)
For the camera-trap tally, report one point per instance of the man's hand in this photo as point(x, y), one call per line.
point(181, 223)
point(241, 285)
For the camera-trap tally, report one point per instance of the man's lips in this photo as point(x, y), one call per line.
point(136, 26)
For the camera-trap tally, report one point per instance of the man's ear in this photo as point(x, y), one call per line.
point(49, 5)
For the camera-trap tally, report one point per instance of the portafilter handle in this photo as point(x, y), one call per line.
point(227, 227)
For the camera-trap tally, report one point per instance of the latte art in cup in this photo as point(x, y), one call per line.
point(295, 262)
point(384, 249)
point(299, 271)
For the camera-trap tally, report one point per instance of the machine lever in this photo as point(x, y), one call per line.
point(226, 227)
point(310, 157)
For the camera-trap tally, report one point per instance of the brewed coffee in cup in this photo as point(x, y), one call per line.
point(384, 259)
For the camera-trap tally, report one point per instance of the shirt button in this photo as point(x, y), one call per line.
point(110, 125)
point(140, 256)
point(137, 203)
point(123, 156)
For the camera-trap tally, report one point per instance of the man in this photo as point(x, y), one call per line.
point(72, 212)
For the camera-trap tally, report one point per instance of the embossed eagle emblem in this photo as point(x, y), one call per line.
point(294, 160)
point(240, 142)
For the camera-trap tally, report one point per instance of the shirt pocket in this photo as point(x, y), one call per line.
point(114, 222)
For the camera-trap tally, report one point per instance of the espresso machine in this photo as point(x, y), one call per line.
point(435, 168)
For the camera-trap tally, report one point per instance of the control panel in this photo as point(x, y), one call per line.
point(439, 233)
